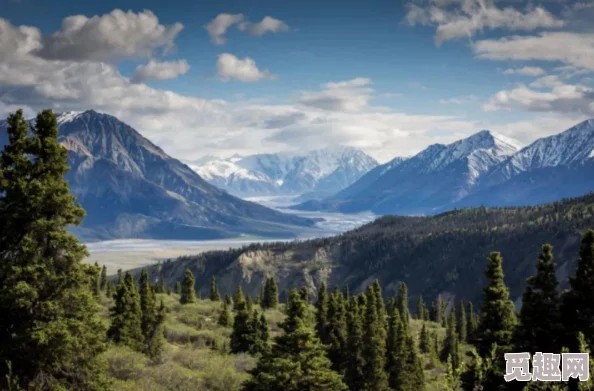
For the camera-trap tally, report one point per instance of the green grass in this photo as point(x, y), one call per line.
point(195, 357)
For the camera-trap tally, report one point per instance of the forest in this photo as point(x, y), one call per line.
point(66, 325)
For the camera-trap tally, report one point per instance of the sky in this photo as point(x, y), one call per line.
point(230, 76)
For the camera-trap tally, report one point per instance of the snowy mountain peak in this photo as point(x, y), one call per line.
point(67, 116)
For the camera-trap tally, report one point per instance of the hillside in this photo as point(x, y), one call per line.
point(439, 254)
point(131, 188)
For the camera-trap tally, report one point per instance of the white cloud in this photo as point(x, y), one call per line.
point(155, 70)
point(525, 71)
point(217, 28)
point(113, 36)
point(219, 25)
point(230, 67)
point(467, 17)
point(462, 100)
point(570, 48)
point(267, 25)
point(351, 96)
point(558, 97)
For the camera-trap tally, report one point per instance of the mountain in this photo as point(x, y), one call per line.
point(549, 169)
point(315, 174)
point(442, 254)
point(131, 188)
point(431, 180)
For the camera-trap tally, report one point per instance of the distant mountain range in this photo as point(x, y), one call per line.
point(313, 175)
point(484, 169)
point(130, 188)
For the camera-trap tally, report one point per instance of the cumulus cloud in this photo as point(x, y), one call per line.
point(525, 71)
point(155, 70)
point(267, 25)
point(217, 28)
point(352, 95)
point(113, 36)
point(229, 67)
point(576, 49)
point(548, 94)
point(463, 18)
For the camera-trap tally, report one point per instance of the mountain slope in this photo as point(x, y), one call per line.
point(131, 188)
point(442, 254)
point(435, 177)
point(316, 173)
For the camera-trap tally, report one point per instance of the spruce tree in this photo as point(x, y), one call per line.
point(450, 349)
point(402, 302)
point(424, 341)
point(414, 375)
point(540, 301)
point(380, 306)
point(374, 346)
point(421, 309)
point(188, 292)
point(578, 302)
point(461, 322)
point(321, 314)
point(270, 298)
point(110, 289)
point(120, 277)
point(238, 299)
point(304, 294)
point(214, 291)
point(355, 371)
point(261, 334)
point(437, 310)
point(471, 323)
point(337, 331)
point(225, 319)
point(178, 289)
point(162, 283)
point(49, 325)
point(297, 360)
point(152, 317)
point(396, 350)
point(103, 281)
point(95, 273)
point(126, 317)
point(244, 334)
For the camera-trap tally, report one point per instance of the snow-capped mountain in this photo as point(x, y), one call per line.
point(131, 188)
point(316, 173)
point(437, 176)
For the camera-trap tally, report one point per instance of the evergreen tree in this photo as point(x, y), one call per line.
point(270, 297)
point(110, 289)
point(437, 310)
point(103, 282)
point(297, 360)
point(162, 283)
point(374, 346)
point(244, 334)
point(471, 323)
point(178, 289)
point(474, 378)
point(414, 375)
point(95, 272)
point(381, 308)
point(355, 371)
point(214, 291)
point(120, 277)
point(578, 302)
point(321, 314)
point(152, 318)
point(248, 304)
point(421, 309)
point(337, 331)
point(450, 349)
point(225, 319)
point(238, 298)
point(424, 341)
point(452, 378)
point(126, 316)
point(540, 301)
point(402, 302)
point(461, 322)
point(396, 350)
point(261, 334)
point(155, 339)
point(304, 294)
point(228, 300)
point(188, 292)
point(49, 325)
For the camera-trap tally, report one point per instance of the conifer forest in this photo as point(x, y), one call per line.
point(68, 325)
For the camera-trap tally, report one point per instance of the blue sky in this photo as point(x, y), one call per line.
point(388, 77)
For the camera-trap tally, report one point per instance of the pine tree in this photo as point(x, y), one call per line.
point(540, 301)
point(337, 331)
point(155, 339)
point(225, 319)
point(380, 307)
point(95, 272)
point(270, 297)
point(53, 332)
point(261, 334)
point(355, 371)
point(414, 375)
point(437, 310)
point(162, 283)
point(402, 302)
point(461, 322)
point(297, 360)
point(188, 292)
point(304, 294)
point(103, 282)
point(244, 334)
point(238, 298)
point(578, 302)
point(214, 292)
point(178, 289)
point(228, 300)
point(424, 342)
point(452, 378)
point(396, 350)
point(152, 318)
point(374, 346)
point(110, 289)
point(321, 314)
point(126, 316)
